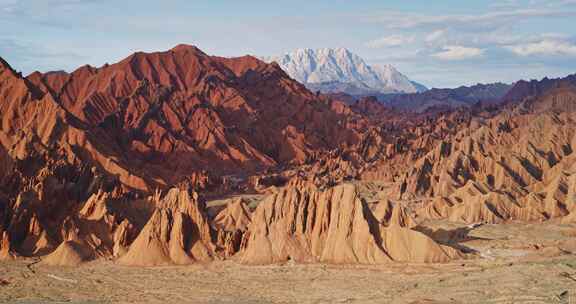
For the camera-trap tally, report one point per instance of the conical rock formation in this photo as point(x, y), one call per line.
point(334, 226)
point(235, 216)
point(69, 253)
point(177, 233)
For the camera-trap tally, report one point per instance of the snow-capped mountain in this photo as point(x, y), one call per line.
point(339, 70)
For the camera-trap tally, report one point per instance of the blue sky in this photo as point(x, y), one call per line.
point(438, 43)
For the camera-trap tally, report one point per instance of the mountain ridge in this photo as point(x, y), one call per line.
point(463, 96)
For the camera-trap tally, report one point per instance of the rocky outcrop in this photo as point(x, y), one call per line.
point(230, 225)
point(334, 226)
point(69, 253)
point(516, 166)
point(176, 233)
point(235, 216)
point(5, 246)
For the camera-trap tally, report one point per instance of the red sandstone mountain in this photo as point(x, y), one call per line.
point(160, 118)
point(116, 163)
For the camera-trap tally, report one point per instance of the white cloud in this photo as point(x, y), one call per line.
point(490, 20)
point(505, 4)
point(456, 52)
point(390, 41)
point(547, 47)
point(435, 36)
point(561, 36)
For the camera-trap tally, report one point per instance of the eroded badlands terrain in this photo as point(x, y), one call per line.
point(178, 176)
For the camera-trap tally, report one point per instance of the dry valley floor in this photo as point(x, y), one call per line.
point(512, 263)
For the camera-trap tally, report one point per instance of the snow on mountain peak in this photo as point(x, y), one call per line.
point(338, 69)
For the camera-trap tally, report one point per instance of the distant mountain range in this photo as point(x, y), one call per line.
point(340, 71)
point(447, 98)
point(437, 99)
point(526, 89)
point(494, 93)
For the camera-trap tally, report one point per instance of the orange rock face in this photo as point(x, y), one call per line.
point(176, 233)
point(334, 226)
point(160, 117)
